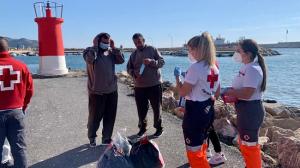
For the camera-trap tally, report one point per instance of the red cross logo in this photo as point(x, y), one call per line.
point(212, 78)
point(8, 77)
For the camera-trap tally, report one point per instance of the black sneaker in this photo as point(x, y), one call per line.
point(93, 143)
point(141, 133)
point(106, 141)
point(158, 133)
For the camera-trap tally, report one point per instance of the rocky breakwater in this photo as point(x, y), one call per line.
point(279, 134)
point(268, 52)
point(169, 103)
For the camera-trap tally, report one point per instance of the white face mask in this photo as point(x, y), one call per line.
point(237, 57)
point(191, 58)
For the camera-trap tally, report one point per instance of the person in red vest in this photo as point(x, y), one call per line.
point(248, 87)
point(199, 87)
point(16, 90)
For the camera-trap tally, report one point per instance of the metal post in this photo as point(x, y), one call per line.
point(171, 38)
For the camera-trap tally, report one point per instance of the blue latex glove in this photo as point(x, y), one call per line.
point(177, 71)
point(142, 69)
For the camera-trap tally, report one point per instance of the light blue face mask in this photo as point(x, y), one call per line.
point(104, 46)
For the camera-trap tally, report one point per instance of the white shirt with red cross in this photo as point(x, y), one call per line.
point(205, 80)
point(250, 75)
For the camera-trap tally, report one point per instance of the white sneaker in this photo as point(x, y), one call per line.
point(208, 153)
point(217, 159)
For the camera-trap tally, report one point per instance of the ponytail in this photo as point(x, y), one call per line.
point(261, 62)
point(251, 46)
point(205, 48)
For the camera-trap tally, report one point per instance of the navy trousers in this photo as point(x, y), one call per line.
point(196, 122)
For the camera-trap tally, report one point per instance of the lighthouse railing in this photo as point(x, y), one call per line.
point(40, 9)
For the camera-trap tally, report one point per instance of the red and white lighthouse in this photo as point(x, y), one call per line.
point(51, 48)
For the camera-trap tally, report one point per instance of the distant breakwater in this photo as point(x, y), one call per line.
point(222, 51)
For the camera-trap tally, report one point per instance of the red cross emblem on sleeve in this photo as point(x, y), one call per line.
point(212, 78)
point(8, 77)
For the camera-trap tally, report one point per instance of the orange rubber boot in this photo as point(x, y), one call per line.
point(204, 149)
point(252, 156)
point(197, 159)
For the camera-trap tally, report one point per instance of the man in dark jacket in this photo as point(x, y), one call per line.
point(102, 86)
point(144, 66)
point(16, 90)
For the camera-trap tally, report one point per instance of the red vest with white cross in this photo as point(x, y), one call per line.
point(16, 85)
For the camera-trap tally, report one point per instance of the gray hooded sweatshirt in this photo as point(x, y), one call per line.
point(151, 75)
point(101, 69)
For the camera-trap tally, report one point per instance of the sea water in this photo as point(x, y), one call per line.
point(283, 82)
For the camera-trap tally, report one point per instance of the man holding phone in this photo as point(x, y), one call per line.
point(144, 66)
point(102, 86)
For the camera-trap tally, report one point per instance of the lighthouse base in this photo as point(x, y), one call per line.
point(52, 66)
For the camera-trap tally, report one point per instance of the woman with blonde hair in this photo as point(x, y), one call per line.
point(248, 87)
point(199, 87)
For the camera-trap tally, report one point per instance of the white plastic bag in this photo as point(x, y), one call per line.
point(122, 144)
point(6, 153)
point(116, 155)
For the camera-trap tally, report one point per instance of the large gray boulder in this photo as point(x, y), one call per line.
point(284, 123)
point(297, 133)
point(289, 152)
point(287, 123)
point(276, 133)
point(224, 127)
point(269, 162)
point(223, 111)
point(169, 103)
point(270, 149)
point(278, 110)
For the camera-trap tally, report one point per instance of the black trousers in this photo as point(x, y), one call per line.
point(214, 138)
point(142, 98)
point(102, 107)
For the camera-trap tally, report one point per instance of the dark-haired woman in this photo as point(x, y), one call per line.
point(248, 87)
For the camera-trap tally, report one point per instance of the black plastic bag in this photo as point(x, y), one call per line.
point(145, 154)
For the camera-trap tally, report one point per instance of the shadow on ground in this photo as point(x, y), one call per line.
point(76, 157)
point(184, 166)
point(134, 138)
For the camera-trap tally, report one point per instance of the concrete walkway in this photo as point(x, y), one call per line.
point(56, 128)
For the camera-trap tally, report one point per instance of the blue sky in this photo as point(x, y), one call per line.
point(164, 23)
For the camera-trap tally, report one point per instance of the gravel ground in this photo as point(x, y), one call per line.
point(57, 135)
